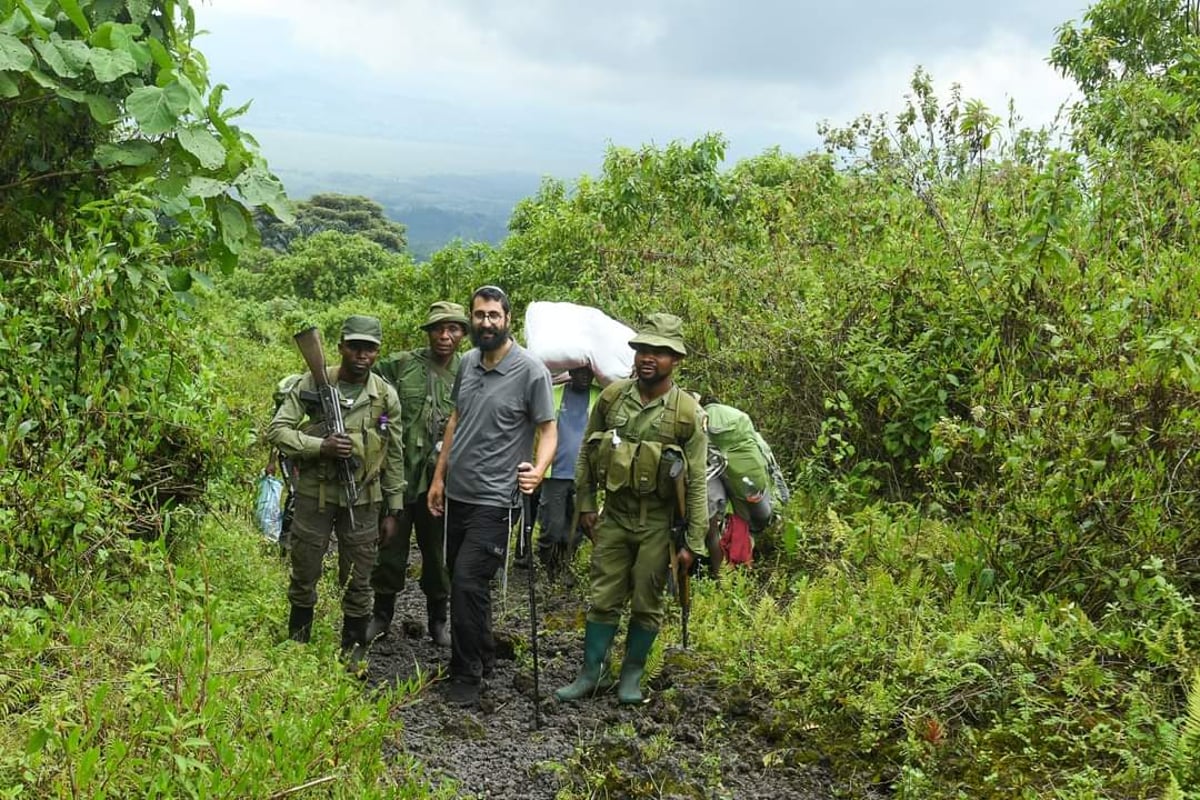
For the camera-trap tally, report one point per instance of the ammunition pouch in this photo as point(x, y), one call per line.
point(597, 447)
point(621, 455)
point(644, 468)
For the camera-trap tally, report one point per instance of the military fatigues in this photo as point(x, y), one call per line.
point(642, 455)
point(320, 498)
point(424, 389)
point(627, 451)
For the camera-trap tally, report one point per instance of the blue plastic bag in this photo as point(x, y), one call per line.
point(267, 512)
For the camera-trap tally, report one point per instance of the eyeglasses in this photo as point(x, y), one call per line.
point(487, 316)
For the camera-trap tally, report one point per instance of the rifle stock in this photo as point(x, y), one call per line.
point(309, 343)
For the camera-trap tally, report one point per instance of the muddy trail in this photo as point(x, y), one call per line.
point(690, 740)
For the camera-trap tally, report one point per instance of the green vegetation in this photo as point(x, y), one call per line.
point(974, 346)
point(333, 212)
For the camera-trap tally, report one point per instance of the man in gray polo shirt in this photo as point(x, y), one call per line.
point(501, 398)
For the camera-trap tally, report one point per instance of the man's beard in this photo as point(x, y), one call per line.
point(496, 338)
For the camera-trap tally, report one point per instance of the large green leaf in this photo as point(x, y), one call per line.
point(157, 109)
point(257, 186)
point(14, 54)
point(123, 38)
point(198, 141)
point(233, 223)
point(49, 82)
point(14, 24)
point(198, 186)
point(126, 154)
point(108, 65)
point(138, 10)
point(172, 198)
point(66, 57)
point(8, 86)
point(104, 110)
point(75, 14)
point(40, 23)
point(160, 55)
point(195, 102)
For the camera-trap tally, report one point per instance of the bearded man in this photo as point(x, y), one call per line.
point(502, 398)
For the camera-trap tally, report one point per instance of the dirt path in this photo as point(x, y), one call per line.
point(689, 741)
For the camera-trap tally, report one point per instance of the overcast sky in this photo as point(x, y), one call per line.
point(411, 87)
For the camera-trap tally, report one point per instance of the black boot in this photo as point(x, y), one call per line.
point(381, 617)
point(439, 632)
point(300, 624)
point(354, 643)
point(551, 558)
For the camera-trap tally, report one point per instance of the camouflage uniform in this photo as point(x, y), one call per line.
point(424, 388)
point(298, 429)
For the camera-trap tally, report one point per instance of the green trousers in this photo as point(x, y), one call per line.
point(391, 568)
point(311, 529)
point(630, 560)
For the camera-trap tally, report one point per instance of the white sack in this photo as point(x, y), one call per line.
point(566, 335)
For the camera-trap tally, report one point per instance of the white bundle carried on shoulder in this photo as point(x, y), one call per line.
point(566, 335)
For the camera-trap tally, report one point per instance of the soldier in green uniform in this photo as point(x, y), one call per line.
point(423, 378)
point(299, 431)
point(640, 433)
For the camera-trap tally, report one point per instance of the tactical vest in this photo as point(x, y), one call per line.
point(415, 377)
point(649, 467)
point(369, 441)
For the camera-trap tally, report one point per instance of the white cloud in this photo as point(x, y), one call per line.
point(642, 70)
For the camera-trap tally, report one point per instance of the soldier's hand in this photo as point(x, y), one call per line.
point(435, 499)
point(337, 445)
point(686, 559)
point(387, 529)
point(587, 521)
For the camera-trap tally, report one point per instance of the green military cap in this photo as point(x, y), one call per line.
point(445, 311)
point(362, 329)
point(661, 330)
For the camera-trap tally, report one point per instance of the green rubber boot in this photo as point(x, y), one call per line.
point(597, 638)
point(637, 647)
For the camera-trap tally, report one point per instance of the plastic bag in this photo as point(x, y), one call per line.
point(267, 512)
point(566, 335)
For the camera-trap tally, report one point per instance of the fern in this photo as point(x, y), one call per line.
point(654, 661)
point(1185, 748)
point(17, 695)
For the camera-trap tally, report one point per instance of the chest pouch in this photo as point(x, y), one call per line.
point(598, 449)
point(621, 458)
point(644, 478)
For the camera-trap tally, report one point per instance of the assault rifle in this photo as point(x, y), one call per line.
point(309, 342)
point(680, 578)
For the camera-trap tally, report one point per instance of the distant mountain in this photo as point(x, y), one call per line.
point(436, 208)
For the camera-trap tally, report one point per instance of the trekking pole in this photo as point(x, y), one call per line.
point(526, 541)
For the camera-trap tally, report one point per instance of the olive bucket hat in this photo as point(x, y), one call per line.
point(661, 330)
point(445, 311)
point(362, 329)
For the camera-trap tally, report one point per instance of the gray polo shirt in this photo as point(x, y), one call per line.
point(498, 410)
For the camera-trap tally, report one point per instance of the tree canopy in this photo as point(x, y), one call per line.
point(333, 212)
